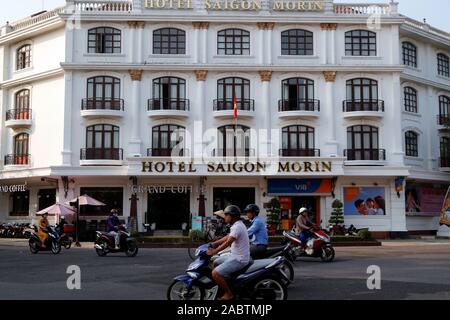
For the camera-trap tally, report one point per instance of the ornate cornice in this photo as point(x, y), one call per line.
point(200, 25)
point(265, 25)
point(330, 76)
point(201, 75)
point(136, 24)
point(136, 75)
point(328, 26)
point(265, 75)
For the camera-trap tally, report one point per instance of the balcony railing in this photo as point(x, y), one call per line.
point(300, 152)
point(228, 104)
point(443, 119)
point(363, 105)
point(103, 5)
point(102, 104)
point(233, 153)
point(168, 104)
point(298, 105)
point(17, 159)
point(364, 9)
point(101, 154)
point(444, 162)
point(365, 154)
point(18, 114)
point(166, 152)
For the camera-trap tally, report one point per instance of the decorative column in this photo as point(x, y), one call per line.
point(197, 27)
point(328, 111)
point(133, 206)
point(68, 100)
point(136, 40)
point(261, 27)
point(204, 27)
point(328, 39)
point(265, 76)
point(395, 109)
point(140, 25)
point(132, 25)
point(134, 106)
point(269, 26)
point(200, 112)
point(428, 137)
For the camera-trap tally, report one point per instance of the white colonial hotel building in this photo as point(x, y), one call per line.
point(91, 92)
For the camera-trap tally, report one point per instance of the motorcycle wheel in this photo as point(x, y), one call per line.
point(327, 254)
point(101, 252)
point(132, 249)
point(288, 270)
point(178, 291)
point(33, 247)
point(68, 244)
point(271, 283)
point(56, 247)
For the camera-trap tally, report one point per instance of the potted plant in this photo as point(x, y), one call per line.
point(337, 216)
point(273, 216)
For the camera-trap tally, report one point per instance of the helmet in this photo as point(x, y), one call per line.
point(302, 210)
point(232, 211)
point(252, 208)
point(63, 218)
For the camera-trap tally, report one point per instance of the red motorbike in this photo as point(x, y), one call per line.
point(318, 245)
point(104, 243)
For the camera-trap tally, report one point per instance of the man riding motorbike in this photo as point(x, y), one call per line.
point(239, 258)
point(257, 231)
point(42, 232)
point(302, 226)
point(112, 227)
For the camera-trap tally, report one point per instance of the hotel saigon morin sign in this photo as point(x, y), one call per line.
point(238, 5)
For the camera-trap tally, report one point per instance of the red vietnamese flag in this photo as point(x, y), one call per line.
point(235, 106)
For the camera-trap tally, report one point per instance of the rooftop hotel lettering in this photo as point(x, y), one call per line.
point(237, 5)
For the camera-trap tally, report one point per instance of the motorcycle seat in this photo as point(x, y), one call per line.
point(271, 251)
point(259, 264)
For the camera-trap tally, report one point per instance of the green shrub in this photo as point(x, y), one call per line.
point(364, 234)
point(196, 235)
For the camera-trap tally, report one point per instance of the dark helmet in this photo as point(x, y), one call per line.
point(233, 211)
point(252, 208)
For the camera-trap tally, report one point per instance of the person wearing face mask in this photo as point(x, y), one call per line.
point(112, 226)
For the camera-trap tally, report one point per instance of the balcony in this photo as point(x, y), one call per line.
point(17, 160)
point(101, 157)
point(364, 157)
point(102, 108)
point(360, 109)
point(299, 108)
point(167, 152)
point(443, 120)
point(444, 163)
point(162, 108)
point(18, 118)
point(224, 108)
point(299, 152)
point(233, 153)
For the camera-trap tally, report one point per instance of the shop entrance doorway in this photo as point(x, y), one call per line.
point(168, 210)
point(311, 203)
point(240, 197)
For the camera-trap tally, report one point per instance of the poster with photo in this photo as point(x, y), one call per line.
point(445, 212)
point(424, 199)
point(364, 201)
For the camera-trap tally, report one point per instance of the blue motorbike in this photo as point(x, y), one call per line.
point(260, 279)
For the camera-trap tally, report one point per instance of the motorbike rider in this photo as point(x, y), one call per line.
point(61, 224)
point(42, 232)
point(239, 258)
point(302, 225)
point(112, 227)
point(257, 231)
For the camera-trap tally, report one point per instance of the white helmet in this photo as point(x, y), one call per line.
point(302, 210)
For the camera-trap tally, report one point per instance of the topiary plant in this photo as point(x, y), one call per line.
point(337, 216)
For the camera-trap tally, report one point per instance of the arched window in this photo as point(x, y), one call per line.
point(233, 42)
point(169, 41)
point(233, 141)
point(409, 52)
point(411, 144)
point(22, 106)
point(298, 141)
point(104, 40)
point(362, 143)
point(362, 95)
point(298, 95)
point(297, 42)
point(443, 65)
point(445, 152)
point(23, 57)
point(21, 149)
point(410, 99)
point(444, 110)
point(165, 138)
point(103, 92)
point(169, 93)
point(228, 88)
point(360, 43)
point(102, 143)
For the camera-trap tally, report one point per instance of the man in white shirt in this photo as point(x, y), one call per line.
point(240, 251)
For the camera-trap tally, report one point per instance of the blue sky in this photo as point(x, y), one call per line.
point(435, 11)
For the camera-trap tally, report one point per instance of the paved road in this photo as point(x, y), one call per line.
point(410, 270)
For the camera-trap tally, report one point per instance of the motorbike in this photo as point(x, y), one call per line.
point(51, 244)
point(104, 243)
point(285, 251)
point(318, 245)
point(65, 232)
point(28, 231)
point(260, 279)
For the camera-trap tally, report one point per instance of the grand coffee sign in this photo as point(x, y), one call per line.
point(237, 5)
point(307, 167)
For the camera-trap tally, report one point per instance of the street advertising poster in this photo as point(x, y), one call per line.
point(364, 201)
point(197, 223)
point(445, 213)
point(424, 199)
